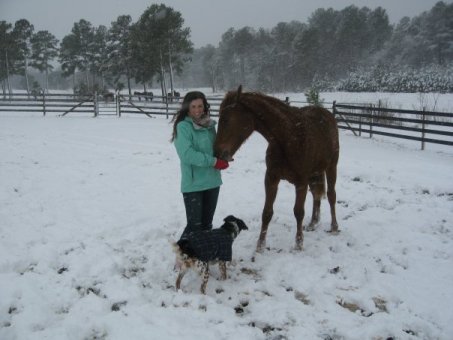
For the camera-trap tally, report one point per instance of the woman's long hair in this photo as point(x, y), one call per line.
point(184, 110)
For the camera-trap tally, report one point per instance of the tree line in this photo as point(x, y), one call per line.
point(333, 49)
point(154, 47)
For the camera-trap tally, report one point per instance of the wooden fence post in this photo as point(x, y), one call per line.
point(44, 104)
point(118, 104)
point(334, 108)
point(96, 104)
point(371, 120)
point(423, 128)
point(360, 126)
point(166, 103)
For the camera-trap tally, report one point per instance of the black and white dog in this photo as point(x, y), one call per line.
point(202, 247)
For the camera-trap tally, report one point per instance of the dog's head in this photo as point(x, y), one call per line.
point(234, 225)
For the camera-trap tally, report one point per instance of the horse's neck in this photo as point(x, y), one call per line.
point(271, 123)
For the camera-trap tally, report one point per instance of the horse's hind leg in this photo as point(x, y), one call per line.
point(299, 212)
point(331, 175)
point(318, 189)
point(271, 187)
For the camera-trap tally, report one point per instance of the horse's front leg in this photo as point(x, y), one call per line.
point(299, 211)
point(271, 187)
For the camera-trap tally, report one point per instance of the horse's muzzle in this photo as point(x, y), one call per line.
point(225, 155)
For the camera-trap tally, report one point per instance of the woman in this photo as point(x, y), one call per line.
point(194, 134)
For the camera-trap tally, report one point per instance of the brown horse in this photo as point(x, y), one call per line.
point(303, 149)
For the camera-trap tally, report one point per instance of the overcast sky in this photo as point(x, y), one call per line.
point(207, 19)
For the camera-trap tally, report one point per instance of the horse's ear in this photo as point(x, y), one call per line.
point(239, 93)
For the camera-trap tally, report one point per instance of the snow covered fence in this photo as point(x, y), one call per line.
point(62, 103)
point(423, 126)
point(159, 105)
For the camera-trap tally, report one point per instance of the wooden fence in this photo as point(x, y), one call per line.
point(96, 105)
point(47, 103)
point(423, 126)
point(159, 105)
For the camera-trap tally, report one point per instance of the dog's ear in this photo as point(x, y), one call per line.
point(241, 224)
point(230, 218)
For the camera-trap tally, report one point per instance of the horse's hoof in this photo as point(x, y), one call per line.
point(310, 228)
point(298, 247)
point(260, 246)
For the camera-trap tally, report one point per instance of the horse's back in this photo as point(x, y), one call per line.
point(321, 132)
point(320, 120)
point(317, 113)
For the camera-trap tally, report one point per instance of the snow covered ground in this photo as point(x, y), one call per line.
point(88, 208)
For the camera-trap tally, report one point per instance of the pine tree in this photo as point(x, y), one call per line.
point(83, 44)
point(23, 32)
point(68, 57)
point(161, 42)
point(211, 66)
point(44, 50)
point(99, 56)
point(8, 55)
point(119, 50)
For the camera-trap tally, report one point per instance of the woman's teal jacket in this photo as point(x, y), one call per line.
point(195, 147)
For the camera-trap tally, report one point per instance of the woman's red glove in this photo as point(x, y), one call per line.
point(220, 164)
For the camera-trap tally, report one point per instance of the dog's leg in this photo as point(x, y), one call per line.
point(181, 274)
point(205, 277)
point(222, 268)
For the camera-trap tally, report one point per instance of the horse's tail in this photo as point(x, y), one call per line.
point(317, 185)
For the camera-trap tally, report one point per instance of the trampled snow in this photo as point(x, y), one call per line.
point(89, 207)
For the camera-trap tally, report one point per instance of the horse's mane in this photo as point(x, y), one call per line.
point(270, 100)
point(230, 98)
point(247, 97)
point(267, 105)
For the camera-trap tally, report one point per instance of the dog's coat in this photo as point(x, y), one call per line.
point(208, 245)
point(202, 247)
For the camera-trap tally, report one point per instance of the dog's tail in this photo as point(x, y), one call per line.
point(176, 248)
point(179, 255)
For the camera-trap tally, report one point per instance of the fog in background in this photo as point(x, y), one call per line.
point(207, 19)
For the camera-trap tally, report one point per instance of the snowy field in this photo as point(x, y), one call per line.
point(88, 208)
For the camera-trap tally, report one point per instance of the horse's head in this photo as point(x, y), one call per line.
point(236, 124)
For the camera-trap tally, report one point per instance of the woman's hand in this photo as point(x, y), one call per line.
point(220, 164)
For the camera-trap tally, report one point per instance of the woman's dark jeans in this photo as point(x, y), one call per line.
point(200, 208)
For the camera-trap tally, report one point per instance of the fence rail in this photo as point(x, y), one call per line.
point(423, 126)
point(47, 103)
point(96, 104)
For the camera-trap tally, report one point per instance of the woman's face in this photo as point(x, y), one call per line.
point(196, 108)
